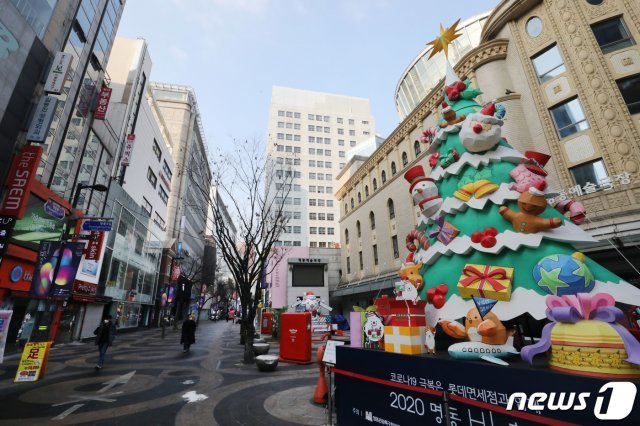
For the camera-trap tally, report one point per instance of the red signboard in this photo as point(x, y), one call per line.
point(16, 274)
point(93, 248)
point(175, 272)
point(21, 175)
point(84, 291)
point(103, 103)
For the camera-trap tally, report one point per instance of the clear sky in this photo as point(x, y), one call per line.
point(233, 51)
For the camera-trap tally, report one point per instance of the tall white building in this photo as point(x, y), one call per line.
point(309, 136)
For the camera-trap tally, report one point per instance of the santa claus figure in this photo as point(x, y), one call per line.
point(424, 191)
point(481, 131)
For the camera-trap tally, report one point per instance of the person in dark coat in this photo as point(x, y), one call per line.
point(188, 333)
point(105, 334)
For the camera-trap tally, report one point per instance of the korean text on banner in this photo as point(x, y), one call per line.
point(19, 180)
point(127, 150)
point(58, 73)
point(103, 104)
point(33, 362)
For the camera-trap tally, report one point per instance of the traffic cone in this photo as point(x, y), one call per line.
point(320, 395)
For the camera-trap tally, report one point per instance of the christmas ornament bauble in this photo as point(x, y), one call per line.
point(561, 274)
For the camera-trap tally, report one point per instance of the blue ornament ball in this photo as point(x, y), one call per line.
point(561, 274)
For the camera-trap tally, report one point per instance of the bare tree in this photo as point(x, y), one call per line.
point(258, 189)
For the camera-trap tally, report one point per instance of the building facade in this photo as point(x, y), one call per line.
point(568, 74)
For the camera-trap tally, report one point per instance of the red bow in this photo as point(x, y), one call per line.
point(433, 159)
point(485, 277)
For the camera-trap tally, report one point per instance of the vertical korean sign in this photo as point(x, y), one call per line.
point(103, 103)
point(58, 73)
point(18, 183)
point(5, 319)
point(51, 279)
point(92, 256)
point(41, 121)
point(33, 362)
point(127, 150)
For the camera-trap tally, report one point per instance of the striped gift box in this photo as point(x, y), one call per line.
point(404, 340)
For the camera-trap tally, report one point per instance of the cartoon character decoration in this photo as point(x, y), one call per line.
point(450, 117)
point(530, 172)
point(531, 204)
point(561, 274)
point(488, 338)
point(430, 339)
point(576, 210)
point(405, 290)
point(423, 190)
point(481, 131)
point(451, 157)
point(411, 272)
point(310, 303)
point(373, 331)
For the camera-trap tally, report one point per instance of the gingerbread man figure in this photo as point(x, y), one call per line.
point(531, 204)
point(450, 116)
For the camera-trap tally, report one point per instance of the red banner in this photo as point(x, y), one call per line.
point(21, 175)
point(103, 103)
point(175, 272)
point(84, 291)
point(93, 248)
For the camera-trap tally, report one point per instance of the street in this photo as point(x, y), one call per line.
point(148, 380)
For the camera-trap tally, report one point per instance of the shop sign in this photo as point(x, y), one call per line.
point(6, 229)
point(36, 225)
point(58, 73)
point(306, 260)
point(97, 225)
point(54, 209)
point(5, 320)
point(41, 121)
point(93, 253)
point(55, 270)
point(127, 150)
point(33, 362)
point(103, 103)
point(16, 274)
point(84, 291)
point(18, 182)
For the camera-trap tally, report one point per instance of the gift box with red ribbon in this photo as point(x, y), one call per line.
point(401, 313)
point(493, 282)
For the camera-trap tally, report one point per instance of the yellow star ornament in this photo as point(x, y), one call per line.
point(442, 42)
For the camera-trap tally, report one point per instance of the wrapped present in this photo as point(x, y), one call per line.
point(585, 338)
point(445, 232)
point(404, 340)
point(355, 325)
point(401, 312)
point(492, 282)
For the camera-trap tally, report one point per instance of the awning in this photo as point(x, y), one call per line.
point(366, 286)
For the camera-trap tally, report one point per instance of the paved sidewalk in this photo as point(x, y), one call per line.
point(148, 380)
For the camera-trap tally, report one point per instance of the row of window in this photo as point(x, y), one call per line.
point(314, 139)
point(320, 164)
point(292, 230)
point(318, 117)
point(288, 161)
point(292, 215)
point(372, 221)
point(321, 216)
point(288, 148)
point(315, 151)
point(320, 202)
point(321, 230)
point(321, 189)
point(147, 210)
point(153, 180)
point(288, 173)
point(322, 244)
point(288, 125)
point(288, 137)
point(288, 201)
point(374, 249)
point(288, 243)
point(320, 176)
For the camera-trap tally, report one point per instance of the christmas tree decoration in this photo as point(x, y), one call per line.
point(478, 189)
point(501, 111)
point(530, 172)
point(405, 290)
point(442, 42)
point(586, 339)
point(445, 231)
point(428, 135)
point(481, 132)
point(531, 203)
point(436, 295)
point(416, 236)
point(453, 91)
point(493, 282)
point(433, 159)
point(450, 116)
point(423, 190)
point(560, 274)
point(483, 305)
point(404, 340)
point(411, 272)
point(577, 212)
point(373, 331)
point(430, 340)
point(486, 238)
point(450, 158)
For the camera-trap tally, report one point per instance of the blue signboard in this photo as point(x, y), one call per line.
point(97, 225)
point(54, 209)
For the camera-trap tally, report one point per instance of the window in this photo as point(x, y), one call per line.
point(359, 198)
point(321, 216)
point(280, 148)
point(313, 244)
point(372, 220)
point(312, 163)
point(348, 265)
point(346, 236)
point(329, 203)
point(297, 229)
point(612, 35)
point(405, 159)
point(326, 130)
point(366, 133)
point(320, 164)
point(375, 184)
point(360, 257)
point(327, 152)
point(383, 176)
point(146, 207)
point(297, 243)
point(358, 230)
point(312, 188)
point(393, 168)
point(319, 152)
point(375, 254)
point(326, 118)
point(365, 122)
point(311, 127)
point(630, 89)
point(352, 203)
point(331, 231)
point(330, 216)
point(328, 176)
point(289, 125)
point(392, 210)
point(339, 120)
point(327, 141)
point(297, 201)
point(151, 177)
point(320, 176)
point(341, 154)
point(346, 208)
point(159, 221)
point(297, 215)
point(394, 244)
point(322, 230)
point(312, 151)
point(289, 114)
point(341, 131)
point(280, 113)
point(296, 115)
point(310, 116)
point(321, 190)
point(156, 149)
point(312, 175)
point(312, 201)
point(416, 147)
point(313, 230)
point(163, 194)
point(588, 175)
point(296, 138)
point(352, 132)
point(341, 142)
point(366, 191)
point(288, 137)
point(534, 27)
point(352, 143)
point(312, 216)
point(341, 165)
point(281, 136)
point(318, 117)
point(352, 121)
point(548, 64)
point(569, 118)
point(296, 161)
point(327, 164)
point(281, 124)
point(312, 139)
point(288, 148)
point(297, 150)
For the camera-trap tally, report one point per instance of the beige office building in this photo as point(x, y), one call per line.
point(568, 73)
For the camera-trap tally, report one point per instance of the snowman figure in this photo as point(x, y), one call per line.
point(423, 190)
point(373, 331)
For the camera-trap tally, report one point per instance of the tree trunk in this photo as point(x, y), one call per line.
point(248, 340)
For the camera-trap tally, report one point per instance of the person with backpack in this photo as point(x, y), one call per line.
point(105, 334)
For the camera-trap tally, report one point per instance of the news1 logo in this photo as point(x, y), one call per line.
point(617, 405)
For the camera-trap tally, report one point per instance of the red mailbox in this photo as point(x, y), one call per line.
point(266, 325)
point(295, 337)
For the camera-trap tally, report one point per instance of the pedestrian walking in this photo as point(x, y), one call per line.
point(105, 334)
point(188, 333)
